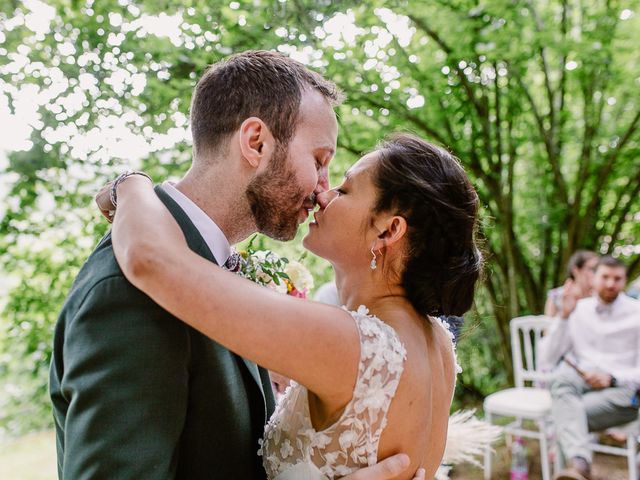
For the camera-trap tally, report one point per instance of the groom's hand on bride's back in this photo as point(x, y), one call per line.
point(386, 469)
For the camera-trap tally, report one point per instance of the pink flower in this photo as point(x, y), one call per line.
point(297, 293)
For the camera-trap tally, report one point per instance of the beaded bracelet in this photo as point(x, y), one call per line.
point(113, 194)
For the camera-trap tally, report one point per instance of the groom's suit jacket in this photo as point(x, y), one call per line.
point(137, 394)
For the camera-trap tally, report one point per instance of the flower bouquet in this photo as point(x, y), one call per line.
point(267, 268)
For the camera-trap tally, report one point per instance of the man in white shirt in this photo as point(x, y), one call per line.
point(596, 344)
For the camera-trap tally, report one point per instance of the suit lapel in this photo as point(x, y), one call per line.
point(253, 370)
point(199, 246)
point(191, 233)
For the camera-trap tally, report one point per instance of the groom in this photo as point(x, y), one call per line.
point(137, 394)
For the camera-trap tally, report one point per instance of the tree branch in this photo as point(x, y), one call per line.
point(498, 121)
point(448, 50)
point(562, 82)
point(626, 208)
point(417, 121)
point(603, 173)
point(344, 140)
point(553, 160)
point(633, 270)
point(545, 71)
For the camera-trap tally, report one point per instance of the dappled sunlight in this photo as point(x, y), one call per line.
point(539, 102)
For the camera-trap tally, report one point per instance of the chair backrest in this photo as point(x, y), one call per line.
point(526, 333)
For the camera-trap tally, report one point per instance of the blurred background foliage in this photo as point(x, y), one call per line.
point(539, 99)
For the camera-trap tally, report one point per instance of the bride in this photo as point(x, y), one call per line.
point(373, 378)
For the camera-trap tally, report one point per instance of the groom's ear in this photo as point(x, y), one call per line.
point(256, 141)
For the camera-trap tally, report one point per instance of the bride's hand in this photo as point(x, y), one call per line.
point(103, 200)
point(386, 469)
point(106, 197)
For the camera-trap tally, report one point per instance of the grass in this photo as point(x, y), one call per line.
point(607, 467)
point(33, 457)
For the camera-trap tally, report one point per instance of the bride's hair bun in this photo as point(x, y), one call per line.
point(428, 187)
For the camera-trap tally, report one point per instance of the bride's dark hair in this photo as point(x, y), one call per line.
point(427, 186)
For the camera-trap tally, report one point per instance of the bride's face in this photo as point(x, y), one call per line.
point(342, 231)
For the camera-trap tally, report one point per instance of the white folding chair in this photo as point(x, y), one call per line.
point(526, 401)
point(630, 450)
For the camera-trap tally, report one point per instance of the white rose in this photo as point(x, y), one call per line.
point(299, 275)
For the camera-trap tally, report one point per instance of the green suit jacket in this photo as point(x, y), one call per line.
point(137, 394)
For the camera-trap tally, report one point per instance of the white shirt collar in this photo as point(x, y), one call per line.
point(609, 308)
point(211, 233)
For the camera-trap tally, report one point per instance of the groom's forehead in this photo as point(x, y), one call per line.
point(320, 139)
point(315, 112)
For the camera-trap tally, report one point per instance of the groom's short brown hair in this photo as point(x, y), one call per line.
point(255, 83)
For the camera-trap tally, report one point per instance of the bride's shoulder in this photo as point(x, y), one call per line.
point(446, 342)
point(371, 326)
point(381, 347)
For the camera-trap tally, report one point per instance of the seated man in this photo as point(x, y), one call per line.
point(596, 342)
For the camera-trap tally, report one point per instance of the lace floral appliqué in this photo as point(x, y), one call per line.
point(351, 442)
point(447, 328)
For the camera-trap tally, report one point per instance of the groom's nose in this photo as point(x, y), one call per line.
point(323, 181)
point(324, 198)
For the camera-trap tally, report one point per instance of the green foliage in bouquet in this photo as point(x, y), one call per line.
point(263, 266)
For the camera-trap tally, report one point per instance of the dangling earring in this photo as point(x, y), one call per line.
point(374, 263)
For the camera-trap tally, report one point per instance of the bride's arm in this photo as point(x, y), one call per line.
point(315, 344)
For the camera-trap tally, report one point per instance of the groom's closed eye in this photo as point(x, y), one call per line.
point(323, 156)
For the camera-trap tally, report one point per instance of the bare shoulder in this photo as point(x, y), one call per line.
point(418, 415)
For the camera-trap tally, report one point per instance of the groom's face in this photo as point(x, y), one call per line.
point(282, 196)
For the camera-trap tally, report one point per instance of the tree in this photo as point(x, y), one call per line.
point(107, 86)
point(538, 99)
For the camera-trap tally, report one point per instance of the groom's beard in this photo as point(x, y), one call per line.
point(274, 198)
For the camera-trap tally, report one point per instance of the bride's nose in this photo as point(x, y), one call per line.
point(324, 198)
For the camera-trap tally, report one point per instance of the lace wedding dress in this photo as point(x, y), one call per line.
point(293, 449)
